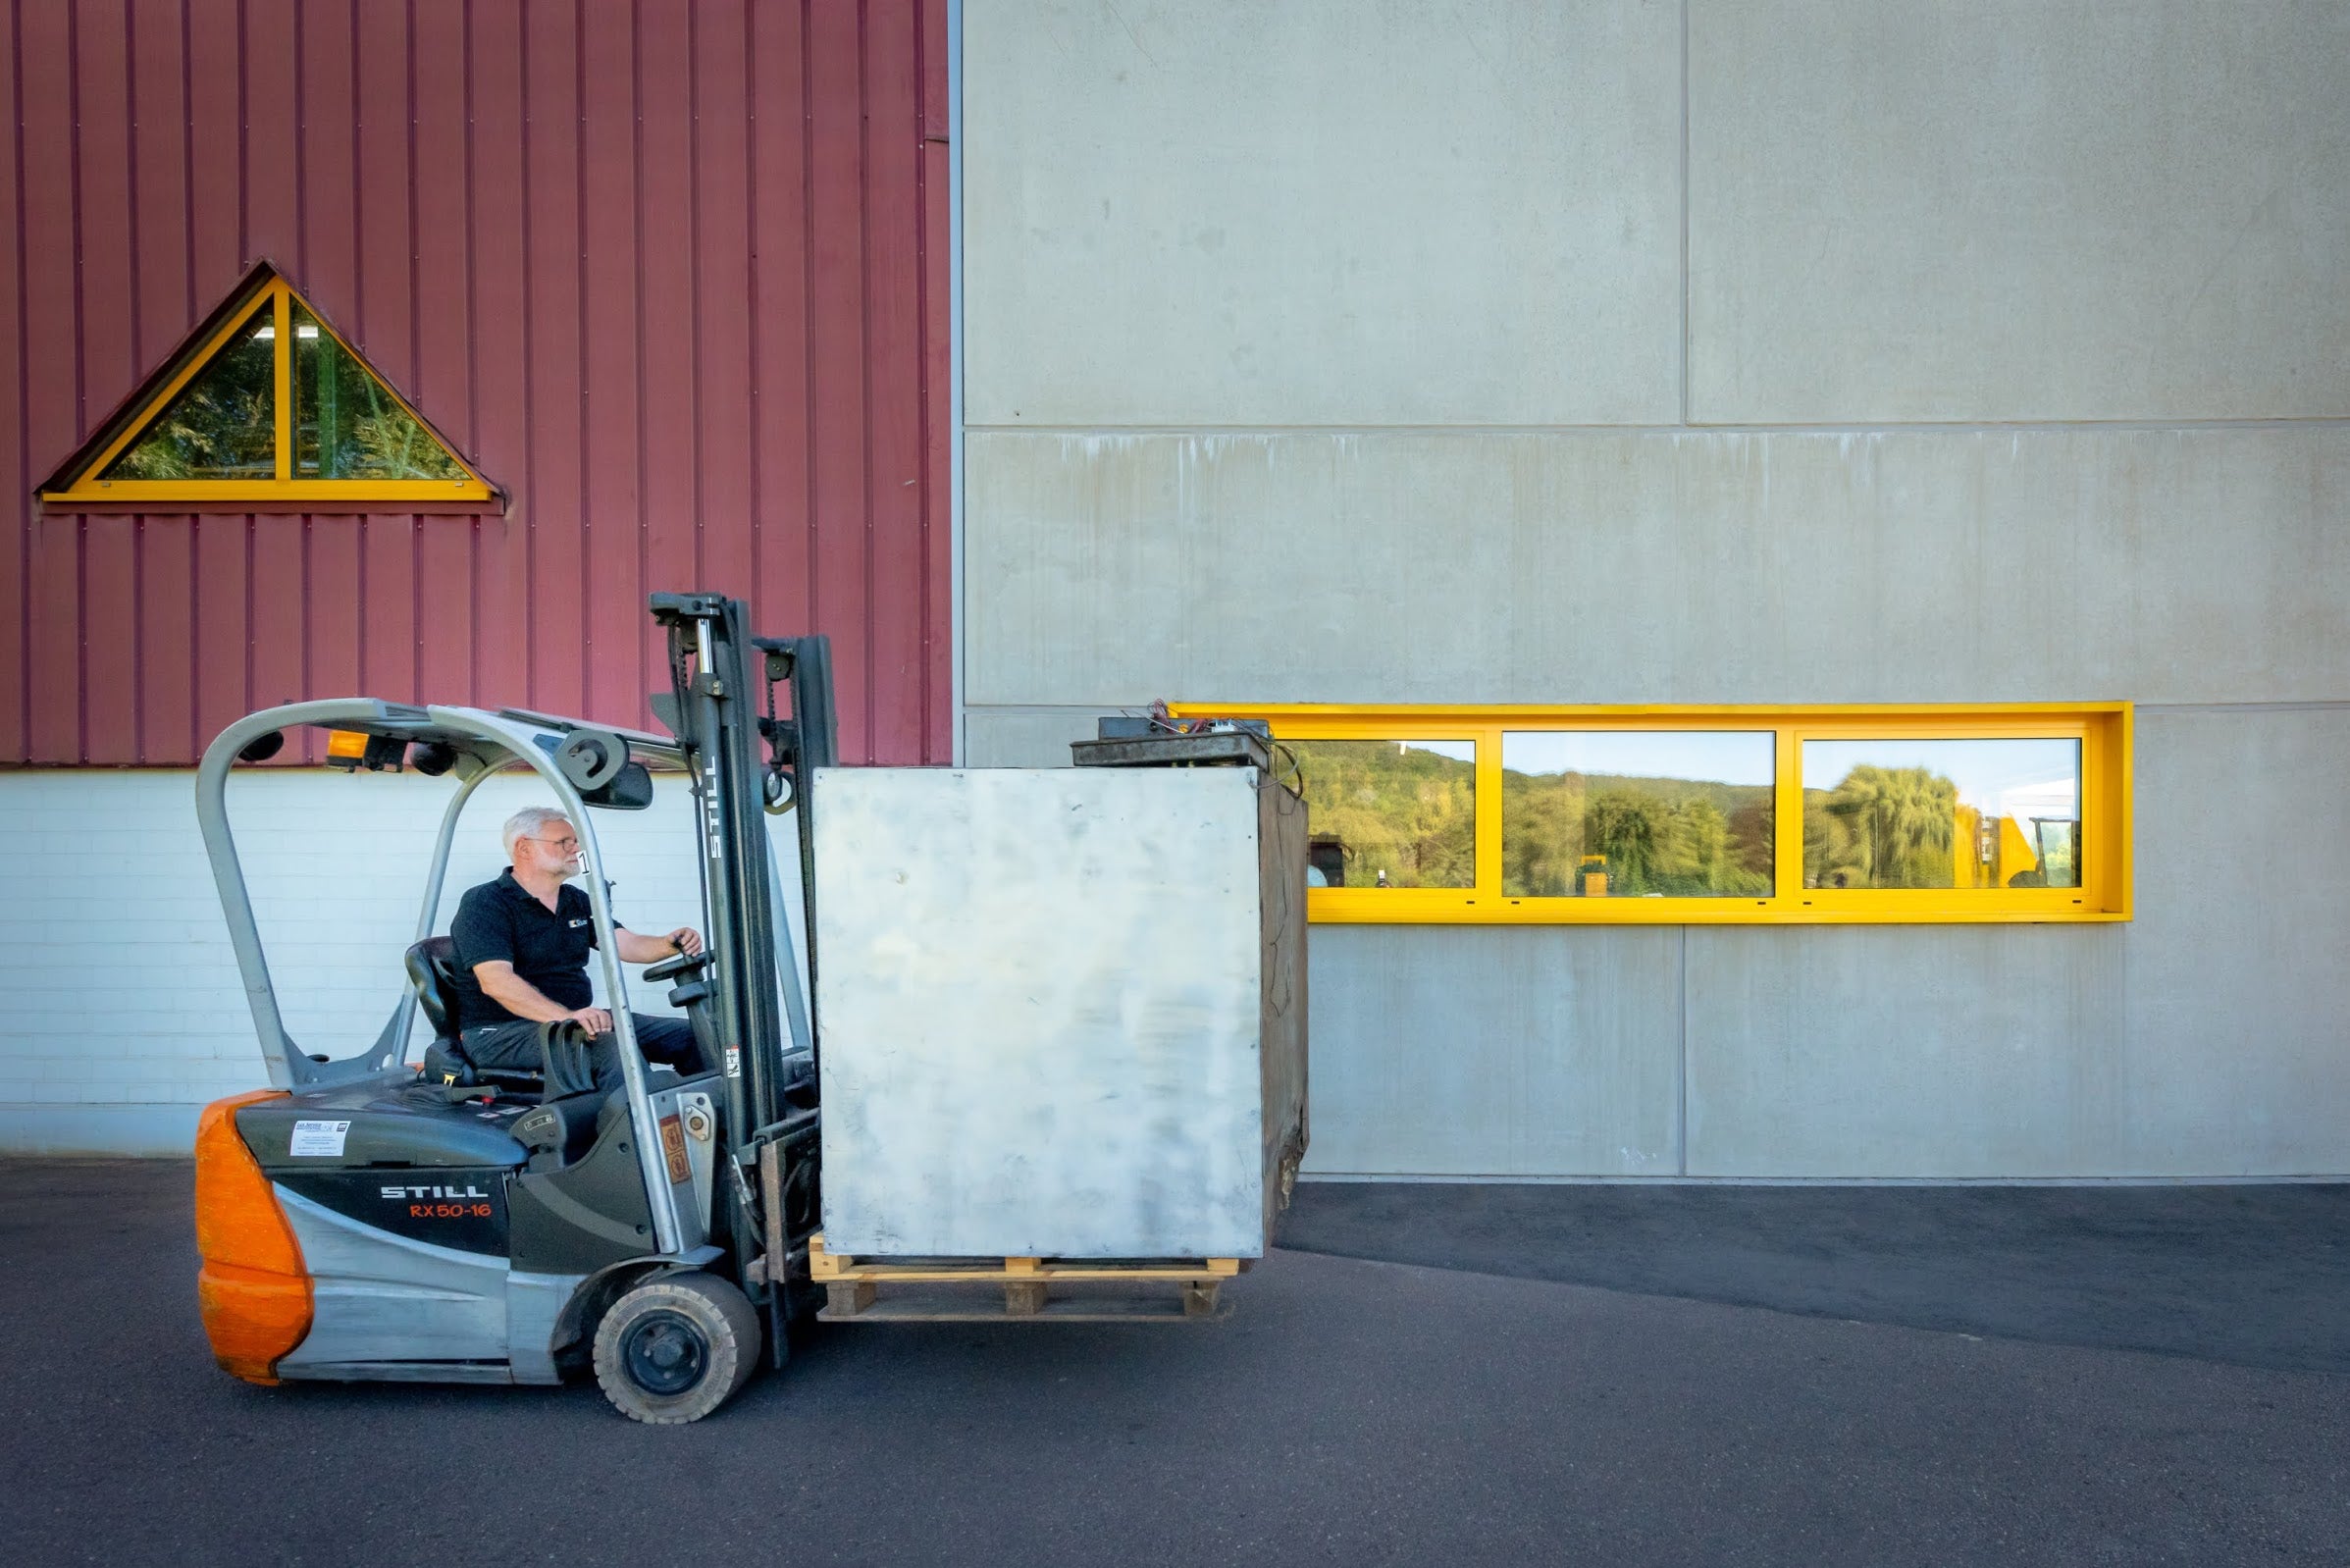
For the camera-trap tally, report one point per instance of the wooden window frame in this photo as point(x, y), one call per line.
point(2103, 729)
point(77, 486)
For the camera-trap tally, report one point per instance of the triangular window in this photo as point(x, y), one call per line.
point(266, 403)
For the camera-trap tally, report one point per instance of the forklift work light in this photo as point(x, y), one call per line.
point(350, 750)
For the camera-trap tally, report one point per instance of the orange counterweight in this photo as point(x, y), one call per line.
point(254, 1290)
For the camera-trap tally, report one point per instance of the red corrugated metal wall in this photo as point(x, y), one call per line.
point(673, 273)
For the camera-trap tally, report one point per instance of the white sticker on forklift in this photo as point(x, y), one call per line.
point(319, 1138)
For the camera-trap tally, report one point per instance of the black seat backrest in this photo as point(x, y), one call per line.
point(432, 966)
point(432, 976)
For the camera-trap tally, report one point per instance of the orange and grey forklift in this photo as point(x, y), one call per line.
point(362, 1219)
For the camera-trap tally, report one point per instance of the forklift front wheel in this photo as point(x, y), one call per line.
point(676, 1348)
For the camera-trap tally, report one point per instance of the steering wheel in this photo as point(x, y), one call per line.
point(670, 969)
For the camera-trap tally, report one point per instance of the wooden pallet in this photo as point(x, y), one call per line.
point(936, 1290)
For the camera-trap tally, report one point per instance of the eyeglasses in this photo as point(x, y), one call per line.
point(554, 843)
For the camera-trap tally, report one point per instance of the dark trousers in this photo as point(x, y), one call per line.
point(516, 1046)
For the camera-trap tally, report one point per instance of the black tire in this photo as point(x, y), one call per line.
point(676, 1348)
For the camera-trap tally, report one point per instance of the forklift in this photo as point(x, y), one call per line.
point(362, 1219)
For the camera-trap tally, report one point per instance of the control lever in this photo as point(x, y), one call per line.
point(676, 967)
point(563, 1045)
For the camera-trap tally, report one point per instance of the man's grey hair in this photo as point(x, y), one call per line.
point(526, 823)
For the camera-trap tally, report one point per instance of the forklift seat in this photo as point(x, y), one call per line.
point(432, 966)
point(433, 976)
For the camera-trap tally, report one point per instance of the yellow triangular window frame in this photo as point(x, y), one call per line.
point(262, 289)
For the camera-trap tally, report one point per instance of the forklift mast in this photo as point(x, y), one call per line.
point(747, 762)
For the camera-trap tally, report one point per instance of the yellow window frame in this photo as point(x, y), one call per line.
point(2103, 729)
point(271, 293)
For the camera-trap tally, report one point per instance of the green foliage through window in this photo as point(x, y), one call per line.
point(346, 426)
point(1942, 814)
point(223, 425)
point(1694, 822)
point(1392, 813)
point(1712, 816)
point(265, 403)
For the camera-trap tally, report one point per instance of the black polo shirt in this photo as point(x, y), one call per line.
point(501, 922)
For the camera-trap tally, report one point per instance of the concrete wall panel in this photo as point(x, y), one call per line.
point(2163, 566)
point(1907, 1051)
point(1224, 212)
point(2239, 993)
point(1469, 1051)
point(1027, 740)
point(2017, 210)
point(2207, 1038)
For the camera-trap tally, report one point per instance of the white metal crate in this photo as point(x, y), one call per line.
point(1044, 996)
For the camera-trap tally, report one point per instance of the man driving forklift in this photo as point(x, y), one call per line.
point(522, 945)
point(361, 1220)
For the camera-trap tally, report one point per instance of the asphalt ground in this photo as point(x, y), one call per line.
point(2254, 1274)
point(1349, 1411)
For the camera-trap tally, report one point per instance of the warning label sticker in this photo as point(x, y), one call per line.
point(319, 1139)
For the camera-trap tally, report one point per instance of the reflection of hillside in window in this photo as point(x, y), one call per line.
point(346, 426)
point(1942, 814)
point(1392, 813)
point(223, 424)
point(1635, 813)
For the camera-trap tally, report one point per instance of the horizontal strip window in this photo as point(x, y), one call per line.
point(1720, 815)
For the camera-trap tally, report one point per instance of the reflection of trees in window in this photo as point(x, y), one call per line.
point(1398, 808)
point(1882, 827)
point(346, 426)
point(1621, 828)
point(1970, 812)
point(1942, 813)
point(1675, 837)
point(223, 424)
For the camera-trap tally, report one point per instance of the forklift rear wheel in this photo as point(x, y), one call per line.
point(676, 1348)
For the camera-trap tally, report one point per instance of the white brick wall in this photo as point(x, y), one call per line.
point(125, 1012)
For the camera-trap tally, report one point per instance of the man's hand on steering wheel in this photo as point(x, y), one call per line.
point(685, 939)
